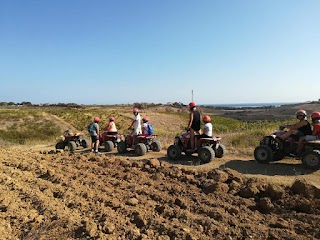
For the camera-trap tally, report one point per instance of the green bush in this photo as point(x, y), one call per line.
point(29, 132)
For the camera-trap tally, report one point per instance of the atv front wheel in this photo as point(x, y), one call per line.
point(156, 146)
point(60, 145)
point(108, 146)
point(140, 149)
point(72, 146)
point(311, 159)
point(206, 154)
point(220, 151)
point(122, 147)
point(174, 152)
point(263, 154)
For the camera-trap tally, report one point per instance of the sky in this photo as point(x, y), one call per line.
point(159, 51)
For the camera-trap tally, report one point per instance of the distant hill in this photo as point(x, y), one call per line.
point(283, 112)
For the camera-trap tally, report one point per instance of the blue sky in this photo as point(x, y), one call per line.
point(125, 51)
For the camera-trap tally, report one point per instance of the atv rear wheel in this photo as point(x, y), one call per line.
point(156, 146)
point(72, 146)
point(174, 152)
point(311, 159)
point(220, 151)
point(84, 143)
point(122, 147)
point(140, 149)
point(108, 146)
point(206, 154)
point(263, 154)
point(60, 145)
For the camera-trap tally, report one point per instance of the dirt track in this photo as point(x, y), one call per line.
point(61, 196)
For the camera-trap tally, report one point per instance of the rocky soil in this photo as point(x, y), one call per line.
point(48, 195)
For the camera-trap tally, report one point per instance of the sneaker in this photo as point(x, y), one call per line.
point(92, 150)
point(98, 153)
point(292, 154)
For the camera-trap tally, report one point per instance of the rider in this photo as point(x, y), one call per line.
point(315, 117)
point(145, 130)
point(207, 129)
point(299, 129)
point(111, 128)
point(194, 123)
point(93, 129)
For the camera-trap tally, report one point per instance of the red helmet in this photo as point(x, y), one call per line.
point(96, 119)
point(315, 115)
point(192, 104)
point(145, 119)
point(135, 110)
point(206, 119)
point(301, 112)
point(111, 118)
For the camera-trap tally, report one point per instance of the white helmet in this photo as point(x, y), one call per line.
point(301, 112)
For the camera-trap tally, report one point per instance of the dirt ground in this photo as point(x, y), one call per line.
point(48, 195)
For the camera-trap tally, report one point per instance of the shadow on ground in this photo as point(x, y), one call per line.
point(276, 168)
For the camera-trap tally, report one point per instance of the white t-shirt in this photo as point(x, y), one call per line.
point(137, 123)
point(207, 130)
point(145, 128)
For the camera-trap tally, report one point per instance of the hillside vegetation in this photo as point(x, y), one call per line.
point(45, 125)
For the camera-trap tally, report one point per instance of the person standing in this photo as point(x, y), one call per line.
point(194, 123)
point(136, 123)
point(94, 131)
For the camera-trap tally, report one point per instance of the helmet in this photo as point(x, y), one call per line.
point(111, 118)
point(135, 110)
point(96, 119)
point(206, 119)
point(301, 112)
point(145, 119)
point(315, 115)
point(192, 104)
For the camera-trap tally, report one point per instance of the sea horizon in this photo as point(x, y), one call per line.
point(240, 105)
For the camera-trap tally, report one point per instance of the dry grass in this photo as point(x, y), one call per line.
point(38, 125)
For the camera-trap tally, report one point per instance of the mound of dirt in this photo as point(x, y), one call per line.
point(60, 196)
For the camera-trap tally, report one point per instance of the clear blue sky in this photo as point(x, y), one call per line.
point(125, 51)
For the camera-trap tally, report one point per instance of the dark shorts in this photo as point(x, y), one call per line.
point(196, 128)
point(94, 138)
point(297, 135)
point(112, 133)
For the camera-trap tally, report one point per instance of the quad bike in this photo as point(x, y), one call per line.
point(273, 148)
point(109, 141)
point(207, 148)
point(72, 141)
point(139, 143)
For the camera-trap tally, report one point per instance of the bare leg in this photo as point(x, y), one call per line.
point(287, 134)
point(96, 147)
point(192, 138)
point(300, 145)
